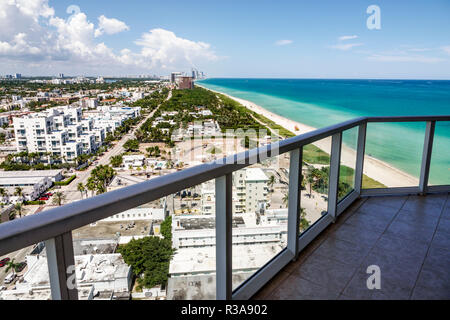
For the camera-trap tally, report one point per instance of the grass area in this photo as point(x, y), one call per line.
point(271, 124)
point(347, 174)
point(214, 150)
point(65, 182)
point(315, 155)
point(369, 183)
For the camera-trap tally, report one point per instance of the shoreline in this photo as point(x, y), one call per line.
point(374, 168)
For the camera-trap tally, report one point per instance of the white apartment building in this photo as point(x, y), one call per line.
point(59, 131)
point(250, 190)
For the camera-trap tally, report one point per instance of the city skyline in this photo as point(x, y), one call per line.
point(291, 40)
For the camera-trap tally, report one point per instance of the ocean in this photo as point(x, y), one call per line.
point(323, 102)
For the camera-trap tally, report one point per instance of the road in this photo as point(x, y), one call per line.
point(71, 192)
point(18, 256)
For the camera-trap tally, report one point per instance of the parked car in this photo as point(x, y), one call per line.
point(43, 198)
point(2, 288)
point(4, 261)
point(48, 194)
point(9, 278)
point(21, 266)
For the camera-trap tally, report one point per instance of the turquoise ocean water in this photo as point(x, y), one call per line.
point(320, 103)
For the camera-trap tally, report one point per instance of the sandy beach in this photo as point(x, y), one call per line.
point(373, 168)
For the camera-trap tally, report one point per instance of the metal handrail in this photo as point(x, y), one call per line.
point(32, 229)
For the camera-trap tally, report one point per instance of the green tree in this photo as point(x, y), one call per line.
point(149, 258)
point(4, 194)
point(12, 265)
point(116, 161)
point(81, 188)
point(166, 228)
point(304, 223)
point(101, 177)
point(19, 209)
point(19, 192)
point(58, 198)
point(131, 145)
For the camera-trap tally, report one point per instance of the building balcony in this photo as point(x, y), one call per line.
point(400, 235)
point(407, 237)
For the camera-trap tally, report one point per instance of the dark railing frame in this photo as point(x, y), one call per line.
point(55, 226)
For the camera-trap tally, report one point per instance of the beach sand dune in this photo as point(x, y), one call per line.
point(373, 168)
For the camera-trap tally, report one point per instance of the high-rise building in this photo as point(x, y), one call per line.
point(174, 76)
point(186, 83)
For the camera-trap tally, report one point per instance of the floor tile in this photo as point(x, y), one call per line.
point(356, 235)
point(357, 289)
point(368, 221)
point(394, 202)
point(265, 291)
point(426, 206)
point(378, 210)
point(411, 231)
point(296, 288)
point(343, 251)
point(395, 244)
point(417, 217)
point(325, 272)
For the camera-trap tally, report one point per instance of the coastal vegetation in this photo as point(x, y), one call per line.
point(149, 258)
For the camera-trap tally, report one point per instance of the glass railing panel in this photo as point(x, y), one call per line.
point(393, 154)
point(440, 156)
point(169, 244)
point(260, 213)
point(347, 163)
point(315, 171)
point(24, 274)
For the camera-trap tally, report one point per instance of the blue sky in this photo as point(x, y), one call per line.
point(230, 38)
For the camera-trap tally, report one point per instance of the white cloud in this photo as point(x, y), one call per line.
point(110, 26)
point(283, 42)
point(343, 38)
point(345, 46)
point(32, 36)
point(446, 49)
point(162, 48)
point(404, 58)
point(419, 49)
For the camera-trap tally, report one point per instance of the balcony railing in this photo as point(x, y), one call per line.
point(55, 226)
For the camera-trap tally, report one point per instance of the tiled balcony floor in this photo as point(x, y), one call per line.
point(407, 237)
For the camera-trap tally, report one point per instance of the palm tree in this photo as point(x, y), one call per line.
point(81, 188)
point(4, 194)
point(286, 198)
point(19, 192)
point(18, 208)
point(11, 265)
point(58, 198)
point(90, 185)
point(271, 181)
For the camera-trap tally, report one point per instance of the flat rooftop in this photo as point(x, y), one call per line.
point(29, 173)
point(203, 260)
point(89, 269)
point(102, 229)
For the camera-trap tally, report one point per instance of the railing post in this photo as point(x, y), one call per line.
point(61, 267)
point(333, 181)
point(362, 129)
point(295, 180)
point(224, 237)
point(426, 157)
